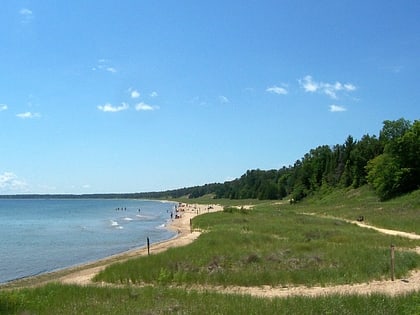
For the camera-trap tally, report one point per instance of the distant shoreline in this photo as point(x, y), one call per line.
point(142, 196)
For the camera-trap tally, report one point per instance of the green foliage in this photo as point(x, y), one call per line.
point(397, 170)
point(390, 164)
point(385, 175)
point(65, 299)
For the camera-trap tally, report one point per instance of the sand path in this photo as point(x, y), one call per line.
point(412, 236)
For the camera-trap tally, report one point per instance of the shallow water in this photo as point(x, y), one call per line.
point(42, 235)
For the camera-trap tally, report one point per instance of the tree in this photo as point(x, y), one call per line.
point(407, 150)
point(365, 150)
point(392, 130)
point(397, 170)
point(385, 174)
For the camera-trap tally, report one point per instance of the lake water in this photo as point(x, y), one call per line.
point(43, 235)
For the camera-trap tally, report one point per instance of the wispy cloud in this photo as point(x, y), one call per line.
point(337, 108)
point(10, 183)
point(111, 69)
point(3, 107)
point(105, 65)
point(224, 99)
point(145, 107)
point(154, 94)
point(113, 109)
point(28, 115)
point(277, 90)
point(26, 16)
point(197, 100)
point(329, 89)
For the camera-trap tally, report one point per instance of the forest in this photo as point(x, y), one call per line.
point(389, 163)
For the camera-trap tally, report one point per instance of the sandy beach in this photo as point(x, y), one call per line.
point(83, 274)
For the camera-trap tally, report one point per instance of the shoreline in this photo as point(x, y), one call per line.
point(82, 274)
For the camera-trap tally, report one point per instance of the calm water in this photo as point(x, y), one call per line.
point(38, 236)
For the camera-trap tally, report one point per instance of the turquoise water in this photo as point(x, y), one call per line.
point(43, 235)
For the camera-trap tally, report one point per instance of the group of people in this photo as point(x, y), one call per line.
point(123, 209)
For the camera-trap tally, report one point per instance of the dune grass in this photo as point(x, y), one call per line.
point(65, 299)
point(401, 213)
point(271, 246)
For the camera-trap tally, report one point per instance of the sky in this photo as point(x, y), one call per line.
point(139, 96)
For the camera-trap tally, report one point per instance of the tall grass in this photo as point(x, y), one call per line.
point(270, 246)
point(63, 299)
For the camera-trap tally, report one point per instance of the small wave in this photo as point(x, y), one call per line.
point(114, 223)
point(128, 219)
point(119, 227)
point(145, 217)
point(162, 226)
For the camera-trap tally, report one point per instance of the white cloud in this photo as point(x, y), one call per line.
point(153, 94)
point(308, 85)
point(135, 94)
point(337, 108)
point(105, 65)
point(111, 69)
point(145, 107)
point(10, 183)
point(223, 99)
point(349, 87)
point(26, 15)
point(113, 109)
point(330, 89)
point(28, 115)
point(277, 90)
point(3, 107)
point(25, 11)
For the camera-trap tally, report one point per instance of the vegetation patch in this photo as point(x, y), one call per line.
point(64, 299)
point(272, 246)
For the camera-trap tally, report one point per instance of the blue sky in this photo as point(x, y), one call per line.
point(132, 96)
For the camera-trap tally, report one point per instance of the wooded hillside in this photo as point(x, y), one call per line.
point(390, 163)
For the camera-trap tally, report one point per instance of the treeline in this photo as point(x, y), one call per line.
point(390, 163)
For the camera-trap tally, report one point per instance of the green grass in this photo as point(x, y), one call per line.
point(64, 299)
point(401, 213)
point(270, 246)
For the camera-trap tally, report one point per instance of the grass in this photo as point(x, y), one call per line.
point(273, 244)
point(401, 213)
point(65, 299)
